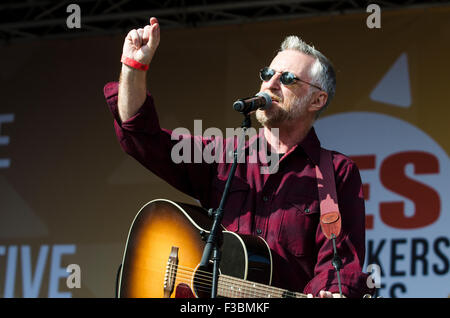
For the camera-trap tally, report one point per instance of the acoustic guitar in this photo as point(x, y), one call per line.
point(164, 249)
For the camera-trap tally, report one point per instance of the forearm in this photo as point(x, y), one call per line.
point(132, 91)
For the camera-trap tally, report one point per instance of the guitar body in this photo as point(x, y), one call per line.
point(165, 246)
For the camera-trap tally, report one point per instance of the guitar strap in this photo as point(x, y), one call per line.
point(330, 217)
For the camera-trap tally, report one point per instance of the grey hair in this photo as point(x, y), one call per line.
point(322, 72)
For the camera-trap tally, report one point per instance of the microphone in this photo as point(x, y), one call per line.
point(250, 104)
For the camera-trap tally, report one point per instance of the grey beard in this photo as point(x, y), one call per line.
point(282, 115)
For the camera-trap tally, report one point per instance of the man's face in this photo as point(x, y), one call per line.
point(289, 102)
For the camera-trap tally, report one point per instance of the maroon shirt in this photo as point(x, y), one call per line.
point(281, 207)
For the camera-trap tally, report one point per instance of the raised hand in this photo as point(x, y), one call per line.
point(141, 44)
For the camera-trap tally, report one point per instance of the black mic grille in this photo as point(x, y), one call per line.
point(246, 105)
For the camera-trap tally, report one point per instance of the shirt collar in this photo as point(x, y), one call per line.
point(310, 145)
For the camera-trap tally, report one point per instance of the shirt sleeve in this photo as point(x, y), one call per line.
point(142, 138)
point(350, 244)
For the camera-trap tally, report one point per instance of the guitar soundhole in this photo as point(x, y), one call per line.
point(203, 281)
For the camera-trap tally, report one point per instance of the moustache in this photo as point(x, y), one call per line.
point(274, 97)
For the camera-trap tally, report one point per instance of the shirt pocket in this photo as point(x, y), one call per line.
point(235, 202)
point(298, 226)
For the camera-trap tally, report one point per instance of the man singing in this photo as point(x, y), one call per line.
point(283, 206)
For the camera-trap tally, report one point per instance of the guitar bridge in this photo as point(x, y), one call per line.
point(171, 272)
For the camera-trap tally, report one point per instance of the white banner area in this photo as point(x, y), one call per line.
point(406, 183)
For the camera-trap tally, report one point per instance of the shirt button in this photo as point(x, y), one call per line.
point(265, 198)
point(307, 210)
point(258, 231)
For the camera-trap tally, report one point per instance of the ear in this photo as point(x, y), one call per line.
point(318, 100)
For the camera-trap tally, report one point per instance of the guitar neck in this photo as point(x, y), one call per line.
point(233, 287)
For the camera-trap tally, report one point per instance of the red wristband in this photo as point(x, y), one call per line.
point(133, 63)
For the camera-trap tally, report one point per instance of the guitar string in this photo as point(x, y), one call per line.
point(264, 288)
point(206, 285)
point(223, 287)
point(245, 286)
point(254, 288)
point(230, 293)
point(198, 286)
point(243, 293)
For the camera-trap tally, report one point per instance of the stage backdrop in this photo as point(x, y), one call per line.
point(68, 193)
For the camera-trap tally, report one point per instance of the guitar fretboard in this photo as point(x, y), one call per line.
point(233, 287)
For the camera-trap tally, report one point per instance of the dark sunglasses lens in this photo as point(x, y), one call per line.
point(266, 74)
point(287, 78)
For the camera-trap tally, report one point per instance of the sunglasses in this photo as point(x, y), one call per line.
point(287, 78)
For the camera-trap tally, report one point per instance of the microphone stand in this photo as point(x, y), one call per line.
point(212, 243)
